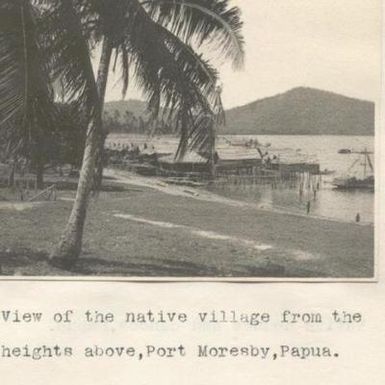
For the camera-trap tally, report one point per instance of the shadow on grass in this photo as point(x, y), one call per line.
point(26, 262)
point(22, 257)
point(73, 185)
point(274, 270)
point(147, 267)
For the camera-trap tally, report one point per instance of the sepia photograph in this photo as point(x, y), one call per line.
point(189, 140)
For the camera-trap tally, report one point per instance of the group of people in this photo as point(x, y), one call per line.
point(132, 147)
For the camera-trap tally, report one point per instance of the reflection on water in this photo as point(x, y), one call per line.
point(331, 203)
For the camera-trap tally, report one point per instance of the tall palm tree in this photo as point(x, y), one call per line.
point(27, 110)
point(155, 42)
point(145, 37)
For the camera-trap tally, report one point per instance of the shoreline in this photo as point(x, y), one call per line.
point(142, 231)
point(193, 193)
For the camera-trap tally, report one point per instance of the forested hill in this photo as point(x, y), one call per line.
point(300, 111)
point(303, 111)
point(136, 107)
point(129, 116)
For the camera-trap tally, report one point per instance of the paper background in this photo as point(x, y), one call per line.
point(362, 348)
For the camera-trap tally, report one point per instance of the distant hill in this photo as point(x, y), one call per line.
point(300, 111)
point(136, 107)
point(303, 111)
point(131, 117)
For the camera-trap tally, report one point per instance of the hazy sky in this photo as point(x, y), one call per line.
point(328, 44)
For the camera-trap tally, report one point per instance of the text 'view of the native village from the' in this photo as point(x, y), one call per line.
point(200, 138)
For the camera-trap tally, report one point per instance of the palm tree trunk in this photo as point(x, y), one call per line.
point(67, 252)
point(40, 175)
point(184, 134)
point(212, 161)
point(101, 84)
point(11, 176)
point(183, 144)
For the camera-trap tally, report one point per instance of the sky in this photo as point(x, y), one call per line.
point(333, 45)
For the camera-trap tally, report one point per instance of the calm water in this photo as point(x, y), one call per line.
point(331, 203)
point(342, 205)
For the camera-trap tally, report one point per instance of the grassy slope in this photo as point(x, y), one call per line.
point(303, 247)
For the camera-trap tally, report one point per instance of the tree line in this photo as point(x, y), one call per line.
point(59, 145)
point(128, 122)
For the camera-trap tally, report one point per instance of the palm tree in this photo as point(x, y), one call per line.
point(155, 42)
point(31, 49)
point(27, 111)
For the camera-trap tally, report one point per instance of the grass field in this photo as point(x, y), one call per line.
point(139, 231)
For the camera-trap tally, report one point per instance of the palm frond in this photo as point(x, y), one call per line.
point(205, 21)
point(169, 72)
point(66, 44)
point(26, 97)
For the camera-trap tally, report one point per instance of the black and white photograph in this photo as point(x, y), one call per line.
point(198, 140)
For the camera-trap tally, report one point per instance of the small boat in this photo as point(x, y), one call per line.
point(344, 151)
point(351, 182)
point(354, 183)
